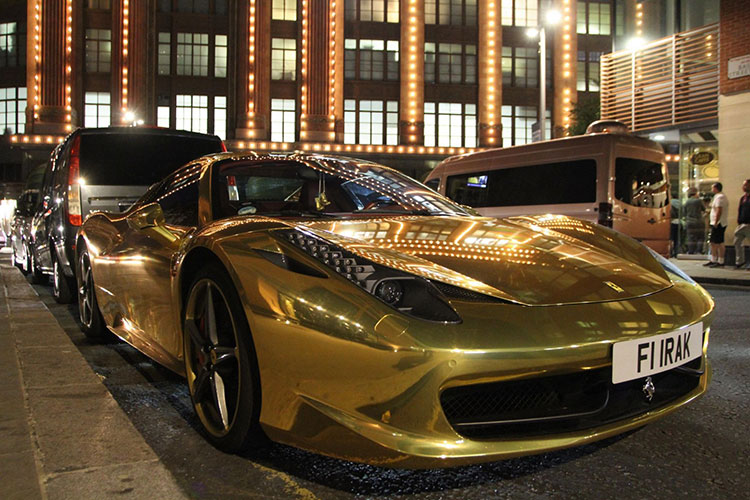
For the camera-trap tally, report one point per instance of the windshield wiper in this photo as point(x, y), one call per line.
point(297, 213)
point(399, 212)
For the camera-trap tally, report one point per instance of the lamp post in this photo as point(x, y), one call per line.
point(552, 17)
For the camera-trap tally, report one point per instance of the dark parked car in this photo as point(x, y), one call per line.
point(20, 226)
point(101, 169)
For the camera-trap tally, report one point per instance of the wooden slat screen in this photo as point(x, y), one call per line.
point(671, 81)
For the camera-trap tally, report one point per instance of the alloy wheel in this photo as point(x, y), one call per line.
point(85, 291)
point(212, 357)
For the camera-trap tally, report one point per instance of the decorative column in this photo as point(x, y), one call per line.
point(490, 73)
point(135, 89)
point(253, 56)
point(411, 103)
point(318, 79)
point(50, 28)
point(565, 67)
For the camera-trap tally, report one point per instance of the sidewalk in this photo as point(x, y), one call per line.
point(727, 275)
point(62, 434)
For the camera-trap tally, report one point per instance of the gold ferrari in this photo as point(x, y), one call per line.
point(339, 306)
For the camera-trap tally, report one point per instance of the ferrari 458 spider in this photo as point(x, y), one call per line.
point(339, 306)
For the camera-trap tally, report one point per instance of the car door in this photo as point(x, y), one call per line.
point(151, 238)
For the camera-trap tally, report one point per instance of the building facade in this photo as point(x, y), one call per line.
point(405, 82)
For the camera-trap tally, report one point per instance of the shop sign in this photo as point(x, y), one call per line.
point(702, 158)
point(739, 66)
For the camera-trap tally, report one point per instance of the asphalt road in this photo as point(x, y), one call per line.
point(702, 451)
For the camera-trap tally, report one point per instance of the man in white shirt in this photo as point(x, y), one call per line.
point(718, 219)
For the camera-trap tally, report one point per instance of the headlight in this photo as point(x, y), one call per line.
point(670, 268)
point(407, 293)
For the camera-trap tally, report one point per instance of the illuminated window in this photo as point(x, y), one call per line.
point(220, 116)
point(284, 10)
point(283, 118)
point(520, 12)
point(165, 53)
point(594, 18)
point(456, 12)
point(370, 122)
point(12, 44)
point(98, 50)
point(283, 59)
point(371, 59)
point(192, 54)
point(520, 67)
point(96, 109)
point(192, 113)
point(220, 56)
point(162, 116)
point(517, 122)
point(588, 71)
point(378, 11)
point(453, 63)
point(450, 124)
point(97, 4)
point(12, 110)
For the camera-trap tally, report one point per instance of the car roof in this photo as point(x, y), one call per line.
point(144, 131)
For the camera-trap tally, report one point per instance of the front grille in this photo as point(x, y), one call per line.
point(560, 403)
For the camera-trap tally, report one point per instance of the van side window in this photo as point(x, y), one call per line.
point(546, 184)
point(178, 197)
point(640, 183)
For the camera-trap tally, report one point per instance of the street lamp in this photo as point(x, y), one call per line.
point(552, 18)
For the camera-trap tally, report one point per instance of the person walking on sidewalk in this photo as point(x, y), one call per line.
point(718, 219)
point(694, 221)
point(743, 226)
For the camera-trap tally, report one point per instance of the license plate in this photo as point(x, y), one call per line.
point(640, 358)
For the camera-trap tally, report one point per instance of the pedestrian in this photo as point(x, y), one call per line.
point(718, 220)
point(694, 222)
point(743, 226)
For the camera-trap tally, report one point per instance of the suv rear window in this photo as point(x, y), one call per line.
point(138, 159)
point(547, 184)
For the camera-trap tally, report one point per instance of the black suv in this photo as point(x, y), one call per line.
point(101, 169)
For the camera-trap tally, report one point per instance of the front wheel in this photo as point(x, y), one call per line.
point(220, 362)
point(92, 322)
point(62, 289)
point(37, 276)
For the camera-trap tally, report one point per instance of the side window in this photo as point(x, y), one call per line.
point(178, 197)
point(640, 183)
point(548, 184)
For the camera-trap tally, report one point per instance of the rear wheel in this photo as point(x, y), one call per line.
point(220, 362)
point(62, 289)
point(88, 308)
point(37, 276)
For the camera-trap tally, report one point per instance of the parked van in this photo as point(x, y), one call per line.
point(101, 169)
point(607, 176)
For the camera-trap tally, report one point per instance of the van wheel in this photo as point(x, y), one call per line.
point(88, 308)
point(62, 290)
point(37, 276)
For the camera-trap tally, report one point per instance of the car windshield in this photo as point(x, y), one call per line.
point(321, 187)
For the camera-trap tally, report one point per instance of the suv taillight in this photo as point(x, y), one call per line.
point(74, 184)
point(223, 146)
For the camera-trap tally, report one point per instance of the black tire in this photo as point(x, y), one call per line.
point(62, 286)
point(92, 322)
point(37, 276)
point(18, 264)
point(220, 362)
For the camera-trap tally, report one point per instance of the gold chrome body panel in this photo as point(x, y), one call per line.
point(346, 375)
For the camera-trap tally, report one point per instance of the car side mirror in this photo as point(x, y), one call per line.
point(149, 216)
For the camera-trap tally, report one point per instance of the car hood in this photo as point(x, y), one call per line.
point(514, 260)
